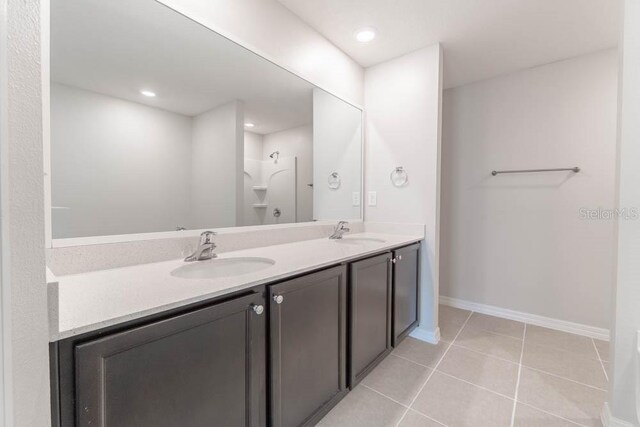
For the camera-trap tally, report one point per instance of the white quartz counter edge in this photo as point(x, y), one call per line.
point(86, 302)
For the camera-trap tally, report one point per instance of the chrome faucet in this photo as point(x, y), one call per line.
point(340, 229)
point(205, 248)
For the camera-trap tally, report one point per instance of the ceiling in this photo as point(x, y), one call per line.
point(120, 47)
point(480, 38)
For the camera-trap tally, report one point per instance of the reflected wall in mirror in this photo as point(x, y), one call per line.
point(159, 124)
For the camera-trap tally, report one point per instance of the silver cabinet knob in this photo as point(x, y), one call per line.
point(393, 260)
point(257, 308)
point(278, 299)
point(399, 257)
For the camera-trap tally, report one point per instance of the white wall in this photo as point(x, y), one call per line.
point(4, 286)
point(270, 29)
point(518, 241)
point(217, 168)
point(134, 163)
point(296, 142)
point(252, 146)
point(24, 292)
point(337, 147)
point(623, 395)
point(402, 103)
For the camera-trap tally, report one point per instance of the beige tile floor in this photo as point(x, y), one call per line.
point(486, 371)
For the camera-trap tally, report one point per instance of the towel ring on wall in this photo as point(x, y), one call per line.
point(334, 181)
point(399, 177)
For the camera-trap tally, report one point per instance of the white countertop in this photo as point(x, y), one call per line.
point(85, 302)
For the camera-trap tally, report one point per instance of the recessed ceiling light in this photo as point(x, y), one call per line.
point(365, 35)
point(249, 125)
point(148, 93)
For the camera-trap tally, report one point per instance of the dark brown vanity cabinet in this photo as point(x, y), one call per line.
point(370, 303)
point(307, 335)
point(203, 368)
point(406, 291)
point(280, 355)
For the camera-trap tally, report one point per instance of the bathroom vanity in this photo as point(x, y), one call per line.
point(268, 348)
point(161, 129)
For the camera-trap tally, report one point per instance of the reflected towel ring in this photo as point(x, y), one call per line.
point(334, 181)
point(399, 177)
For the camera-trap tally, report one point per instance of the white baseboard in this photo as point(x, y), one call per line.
point(533, 319)
point(432, 337)
point(609, 420)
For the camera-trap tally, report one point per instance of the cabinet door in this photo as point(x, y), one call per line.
point(406, 291)
point(202, 368)
point(308, 346)
point(370, 304)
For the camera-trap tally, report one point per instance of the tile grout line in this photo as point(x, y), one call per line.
point(516, 401)
point(457, 378)
point(475, 385)
point(564, 378)
point(537, 345)
point(525, 366)
point(434, 369)
point(600, 359)
point(383, 395)
point(569, 351)
point(551, 413)
point(426, 416)
point(515, 397)
point(502, 360)
point(495, 333)
point(485, 354)
point(401, 404)
point(409, 360)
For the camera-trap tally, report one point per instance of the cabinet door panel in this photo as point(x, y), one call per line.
point(199, 369)
point(308, 346)
point(406, 291)
point(370, 302)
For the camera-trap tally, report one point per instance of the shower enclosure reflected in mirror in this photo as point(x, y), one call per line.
point(160, 124)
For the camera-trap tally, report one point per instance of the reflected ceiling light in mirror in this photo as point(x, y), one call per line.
point(365, 35)
point(249, 125)
point(148, 93)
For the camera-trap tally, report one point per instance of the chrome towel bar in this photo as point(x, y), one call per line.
point(575, 170)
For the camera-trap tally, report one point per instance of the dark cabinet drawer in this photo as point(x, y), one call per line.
point(202, 368)
point(370, 314)
point(307, 334)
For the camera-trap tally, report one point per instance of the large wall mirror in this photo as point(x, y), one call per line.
point(160, 124)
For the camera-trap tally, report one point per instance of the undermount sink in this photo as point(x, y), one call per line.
point(222, 267)
point(359, 240)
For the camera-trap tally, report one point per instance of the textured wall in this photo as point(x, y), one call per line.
point(23, 269)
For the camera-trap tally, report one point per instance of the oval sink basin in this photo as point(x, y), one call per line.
point(359, 240)
point(222, 267)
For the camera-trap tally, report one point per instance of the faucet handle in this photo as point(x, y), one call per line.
point(207, 237)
